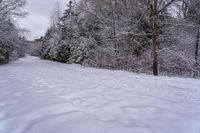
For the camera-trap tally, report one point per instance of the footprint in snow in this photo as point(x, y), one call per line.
point(2, 104)
point(2, 115)
point(106, 118)
point(30, 87)
point(3, 81)
point(51, 86)
point(44, 83)
point(41, 91)
point(35, 84)
point(23, 79)
point(18, 94)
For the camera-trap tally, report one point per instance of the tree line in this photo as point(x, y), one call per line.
point(143, 36)
point(11, 40)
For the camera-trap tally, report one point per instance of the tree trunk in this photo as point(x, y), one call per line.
point(197, 43)
point(114, 33)
point(99, 4)
point(154, 38)
point(184, 9)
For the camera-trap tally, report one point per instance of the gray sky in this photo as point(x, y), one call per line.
point(38, 18)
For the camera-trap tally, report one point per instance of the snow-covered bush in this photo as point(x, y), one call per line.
point(82, 50)
point(62, 52)
point(4, 54)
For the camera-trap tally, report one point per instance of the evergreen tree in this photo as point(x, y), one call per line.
point(69, 24)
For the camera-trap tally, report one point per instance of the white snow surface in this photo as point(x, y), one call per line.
point(38, 96)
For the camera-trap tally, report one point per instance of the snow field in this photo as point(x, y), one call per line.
point(38, 96)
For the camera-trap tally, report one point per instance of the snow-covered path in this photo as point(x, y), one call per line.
point(47, 97)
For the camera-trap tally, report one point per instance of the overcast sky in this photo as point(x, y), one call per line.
point(38, 18)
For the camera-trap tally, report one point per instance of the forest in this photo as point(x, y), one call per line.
point(159, 37)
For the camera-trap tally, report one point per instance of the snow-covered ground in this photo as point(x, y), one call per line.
point(38, 96)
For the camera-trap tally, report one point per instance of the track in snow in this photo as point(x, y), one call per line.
point(38, 96)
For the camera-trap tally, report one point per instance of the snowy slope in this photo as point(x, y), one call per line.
point(39, 96)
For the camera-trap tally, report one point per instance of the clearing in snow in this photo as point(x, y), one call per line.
point(38, 96)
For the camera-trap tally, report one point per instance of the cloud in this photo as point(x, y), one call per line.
point(38, 18)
